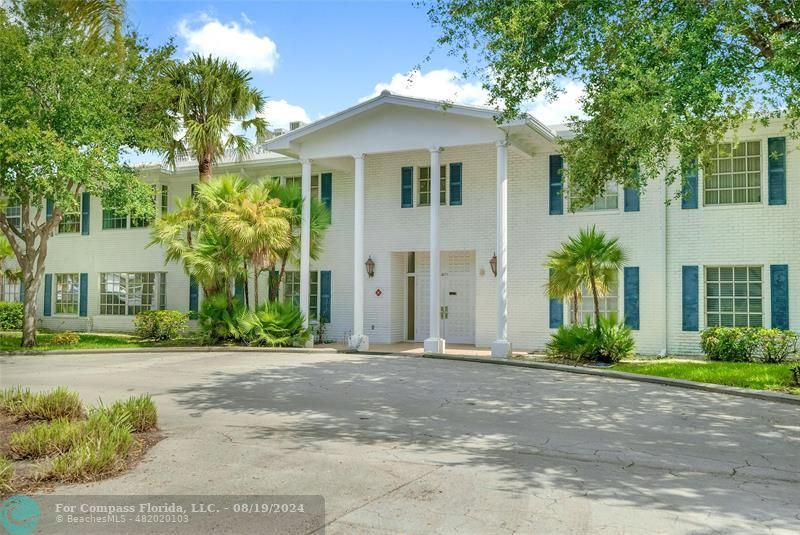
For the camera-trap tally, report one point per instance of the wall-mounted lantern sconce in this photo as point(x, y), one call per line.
point(370, 263)
point(493, 264)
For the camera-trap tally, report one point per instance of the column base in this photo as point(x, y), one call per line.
point(434, 345)
point(358, 342)
point(501, 349)
point(309, 343)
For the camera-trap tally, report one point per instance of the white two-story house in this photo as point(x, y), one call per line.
point(456, 215)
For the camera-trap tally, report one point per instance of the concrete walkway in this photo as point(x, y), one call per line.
point(409, 445)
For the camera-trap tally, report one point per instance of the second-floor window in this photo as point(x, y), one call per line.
point(734, 174)
point(424, 179)
point(71, 221)
point(608, 200)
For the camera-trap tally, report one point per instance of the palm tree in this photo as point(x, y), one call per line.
point(193, 236)
point(588, 260)
point(211, 99)
point(258, 226)
point(291, 197)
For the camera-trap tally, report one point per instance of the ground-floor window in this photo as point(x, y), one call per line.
point(9, 290)
point(291, 291)
point(68, 291)
point(609, 303)
point(734, 296)
point(127, 294)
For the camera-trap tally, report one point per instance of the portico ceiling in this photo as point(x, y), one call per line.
point(393, 123)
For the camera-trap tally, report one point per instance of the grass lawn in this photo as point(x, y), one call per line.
point(10, 341)
point(742, 374)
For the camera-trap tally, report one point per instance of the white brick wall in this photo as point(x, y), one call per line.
point(659, 239)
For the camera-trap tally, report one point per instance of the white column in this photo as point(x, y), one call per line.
point(434, 343)
point(501, 347)
point(358, 341)
point(305, 243)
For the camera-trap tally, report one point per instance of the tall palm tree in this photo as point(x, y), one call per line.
point(291, 197)
point(258, 226)
point(212, 99)
point(589, 259)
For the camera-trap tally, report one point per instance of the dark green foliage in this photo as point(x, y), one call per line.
point(10, 316)
point(748, 344)
point(160, 324)
point(272, 324)
point(610, 342)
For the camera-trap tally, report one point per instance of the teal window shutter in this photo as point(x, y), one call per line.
point(690, 287)
point(193, 296)
point(48, 294)
point(776, 158)
point(407, 187)
point(238, 289)
point(22, 290)
point(556, 185)
point(326, 191)
point(455, 184)
point(631, 200)
point(556, 311)
point(631, 297)
point(48, 208)
point(83, 301)
point(690, 192)
point(325, 296)
point(779, 295)
point(86, 201)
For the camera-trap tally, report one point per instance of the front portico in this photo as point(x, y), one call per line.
point(353, 142)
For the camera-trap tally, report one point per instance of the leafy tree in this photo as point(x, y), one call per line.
point(590, 260)
point(6, 252)
point(258, 226)
point(210, 97)
point(662, 77)
point(291, 197)
point(70, 101)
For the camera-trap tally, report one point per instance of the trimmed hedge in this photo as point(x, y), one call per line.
point(160, 324)
point(748, 344)
point(11, 315)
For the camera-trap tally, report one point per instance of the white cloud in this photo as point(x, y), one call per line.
point(280, 113)
point(439, 84)
point(231, 41)
point(558, 111)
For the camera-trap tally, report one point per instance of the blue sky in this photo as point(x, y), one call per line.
point(313, 58)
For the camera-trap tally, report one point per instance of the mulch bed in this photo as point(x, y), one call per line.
point(28, 472)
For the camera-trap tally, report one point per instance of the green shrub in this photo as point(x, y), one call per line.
point(748, 344)
point(102, 449)
point(11, 315)
point(160, 324)
point(6, 475)
point(272, 324)
point(138, 412)
point(46, 438)
point(57, 403)
point(67, 338)
point(610, 342)
point(276, 324)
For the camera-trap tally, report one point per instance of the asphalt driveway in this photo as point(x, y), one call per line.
point(412, 445)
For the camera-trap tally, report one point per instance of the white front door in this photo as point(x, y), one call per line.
point(457, 300)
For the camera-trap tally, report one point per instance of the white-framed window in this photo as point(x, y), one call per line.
point(608, 200)
point(297, 181)
point(71, 221)
point(609, 303)
point(127, 294)
point(424, 185)
point(734, 174)
point(9, 290)
point(14, 215)
point(67, 294)
point(112, 220)
point(734, 296)
point(291, 291)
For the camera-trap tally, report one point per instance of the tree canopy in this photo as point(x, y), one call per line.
point(661, 76)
